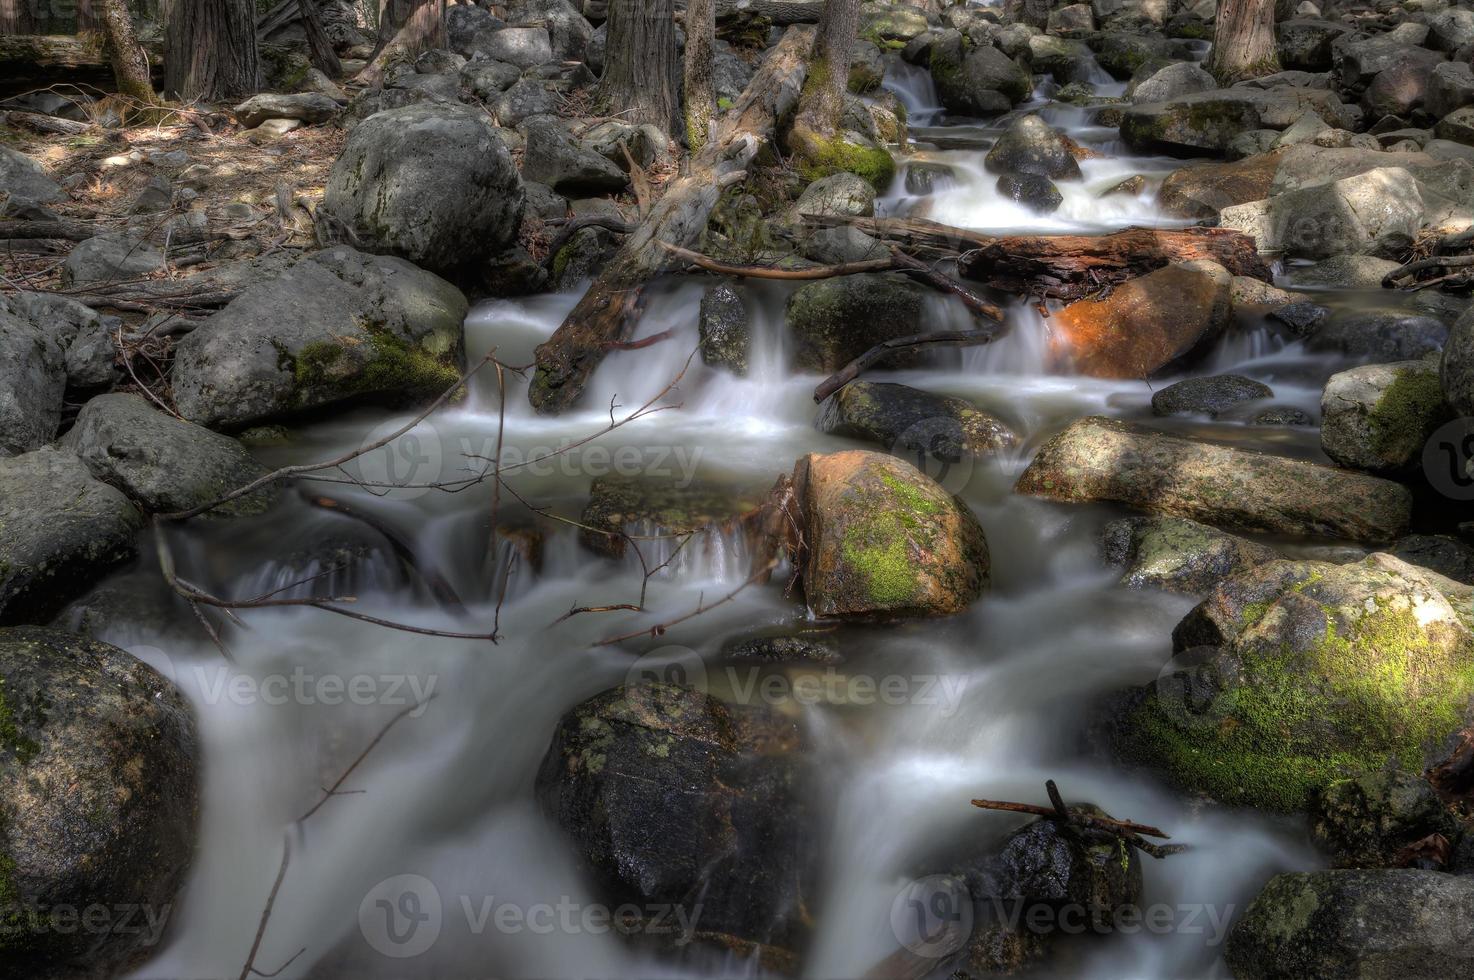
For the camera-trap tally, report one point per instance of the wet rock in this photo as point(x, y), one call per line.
point(912, 423)
point(1203, 191)
point(783, 649)
point(838, 195)
point(98, 802)
point(586, 253)
point(1034, 192)
point(725, 337)
point(1300, 320)
point(659, 505)
point(1447, 556)
point(1381, 335)
point(1344, 272)
point(165, 464)
point(1326, 925)
point(1192, 125)
point(62, 530)
point(1248, 292)
point(1176, 554)
point(110, 258)
point(431, 184)
point(24, 182)
point(1099, 459)
point(1379, 416)
point(338, 325)
point(514, 272)
point(1362, 822)
point(308, 107)
point(1296, 673)
point(1066, 61)
point(1211, 396)
point(1122, 54)
point(929, 178)
point(884, 540)
point(32, 382)
point(833, 321)
point(1305, 43)
point(1279, 415)
point(1031, 146)
point(976, 81)
point(1145, 324)
point(673, 797)
point(1130, 187)
point(525, 47)
point(1183, 78)
point(553, 157)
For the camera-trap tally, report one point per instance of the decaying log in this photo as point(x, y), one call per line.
point(1073, 266)
point(917, 236)
point(19, 51)
point(569, 357)
point(781, 12)
point(46, 125)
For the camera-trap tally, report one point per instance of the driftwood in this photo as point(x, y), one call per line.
point(46, 125)
point(603, 316)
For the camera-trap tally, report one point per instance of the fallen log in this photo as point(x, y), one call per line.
point(51, 51)
point(602, 317)
point(784, 13)
point(43, 124)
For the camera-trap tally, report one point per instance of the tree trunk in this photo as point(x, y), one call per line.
point(323, 55)
point(1243, 41)
point(130, 64)
point(640, 70)
point(701, 94)
point(815, 140)
point(210, 50)
point(15, 18)
point(407, 28)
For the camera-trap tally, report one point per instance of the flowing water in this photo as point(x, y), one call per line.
point(992, 700)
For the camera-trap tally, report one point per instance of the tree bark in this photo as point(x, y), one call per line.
point(321, 49)
point(603, 317)
point(15, 18)
point(819, 111)
point(407, 28)
point(1243, 41)
point(701, 94)
point(130, 63)
point(641, 73)
point(210, 50)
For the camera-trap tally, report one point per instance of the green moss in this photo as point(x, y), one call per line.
point(1402, 418)
point(389, 365)
point(873, 164)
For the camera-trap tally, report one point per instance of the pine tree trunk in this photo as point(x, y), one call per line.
point(130, 64)
point(700, 88)
point(15, 18)
point(411, 28)
point(210, 50)
point(815, 138)
point(640, 70)
point(1243, 41)
point(323, 55)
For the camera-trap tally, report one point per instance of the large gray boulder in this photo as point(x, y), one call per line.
point(976, 80)
point(1333, 925)
point(555, 158)
point(63, 529)
point(165, 464)
point(1031, 146)
point(33, 380)
point(1208, 122)
point(99, 799)
point(525, 47)
point(88, 338)
point(1174, 81)
point(433, 184)
point(111, 258)
point(1379, 416)
point(24, 182)
point(338, 325)
point(1450, 87)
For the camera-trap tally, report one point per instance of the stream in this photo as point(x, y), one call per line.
point(987, 704)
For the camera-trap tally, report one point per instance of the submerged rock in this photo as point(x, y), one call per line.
point(674, 797)
point(1379, 416)
point(1296, 673)
point(912, 423)
point(63, 529)
point(833, 321)
point(1330, 925)
point(1211, 396)
point(1176, 554)
point(1364, 821)
point(658, 505)
point(98, 803)
point(338, 325)
point(883, 539)
point(1102, 459)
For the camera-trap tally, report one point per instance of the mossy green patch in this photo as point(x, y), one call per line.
point(1410, 408)
point(872, 163)
point(385, 364)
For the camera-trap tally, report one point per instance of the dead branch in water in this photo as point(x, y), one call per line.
point(1129, 832)
point(940, 338)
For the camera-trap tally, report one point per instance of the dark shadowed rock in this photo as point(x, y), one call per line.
point(836, 320)
point(912, 423)
point(1363, 821)
point(1447, 556)
point(977, 80)
point(725, 338)
point(1034, 192)
point(1381, 335)
point(1210, 396)
point(1176, 554)
point(553, 157)
point(33, 381)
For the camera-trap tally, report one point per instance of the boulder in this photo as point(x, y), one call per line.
point(110, 258)
point(1381, 336)
point(569, 32)
point(1379, 416)
point(1457, 126)
point(1450, 30)
point(1450, 87)
point(433, 184)
point(913, 424)
point(164, 463)
point(1306, 43)
point(1398, 89)
point(338, 325)
point(1359, 58)
point(1066, 61)
point(524, 100)
point(1457, 368)
point(891, 22)
point(1031, 146)
point(1122, 54)
point(99, 799)
point(308, 107)
point(1192, 125)
point(883, 540)
point(1440, 553)
point(487, 80)
point(33, 381)
point(1177, 555)
point(834, 321)
point(1098, 459)
point(867, 68)
point(1075, 20)
point(976, 80)
point(1364, 821)
point(525, 47)
point(673, 797)
point(1210, 396)
point(1145, 324)
point(88, 338)
point(1381, 208)
point(62, 530)
point(1293, 674)
point(1033, 191)
point(553, 157)
point(1202, 191)
point(24, 182)
point(725, 334)
point(466, 25)
point(1329, 925)
point(1174, 81)
point(838, 195)
point(925, 177)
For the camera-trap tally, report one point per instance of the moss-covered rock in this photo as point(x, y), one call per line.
point(1363, 821)
point(1295, 674)
point(884, 540)
point(98, 803)
point(1194, 125)
point(867, 67)
point(1176, 554)
point(833, 321)
point(651, 505)
point(1379, 416)
point(912, 423)
point(976, 80)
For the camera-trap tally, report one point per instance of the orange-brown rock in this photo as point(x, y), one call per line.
point(883, 539)
point(1145, 324)
point(1203, 191)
